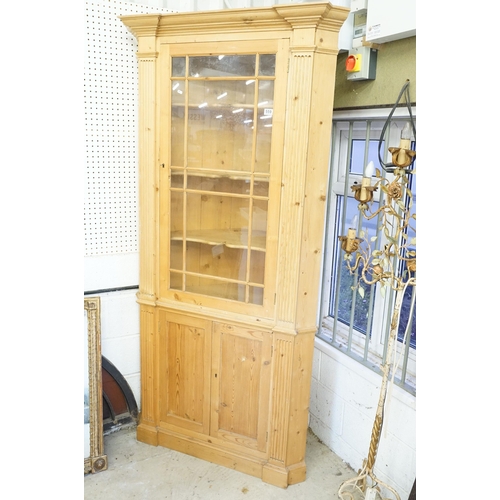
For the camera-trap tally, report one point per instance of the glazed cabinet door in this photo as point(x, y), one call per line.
point(241, 377)
point(221, 150)
point(184, 378)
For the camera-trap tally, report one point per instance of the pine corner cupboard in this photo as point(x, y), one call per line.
point(235, 115)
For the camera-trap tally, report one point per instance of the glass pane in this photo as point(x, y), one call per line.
point(177, 132)
point(177, 179)
point(178, 66)
point(176, 281)
point(406, 305)
point(256, 295)
point(220, 125)
point(347, 279)
point(176, 224)
point(264, 126)
point(216, 260)
point(176, 211)
point(222, 65)
point(215, 288)
point(405, 317)
point(258, 243)
point(216, 213)
point(222, 94)
point(358, 155)
point(261, 186)
point(267, 64)
point(259, 224)
point(257, 266)
point(176, 254)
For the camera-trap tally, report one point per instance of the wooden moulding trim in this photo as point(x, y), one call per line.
point(317, 14)
point(227, 27)
point(149, 363)
point(222, 445)
point(274, 474)
point(290, 330)
point(147, 55)
point(147, 434)
point(297, 473)
point(314, 15)
point(280, 405)
point(142, 25)
point(284, 476)
point(308, 49)
point(218, 315)
point(208, 451)
point(146, 299)
point(146, 163)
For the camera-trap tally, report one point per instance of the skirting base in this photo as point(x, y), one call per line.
point(269, 473)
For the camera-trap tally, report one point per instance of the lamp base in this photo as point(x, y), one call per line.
point(365, 486)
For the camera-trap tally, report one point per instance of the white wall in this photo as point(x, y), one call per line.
point(120, 336)
point(344, 398)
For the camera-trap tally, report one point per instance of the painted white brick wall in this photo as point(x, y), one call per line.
point(120, 342)
point(344, 398)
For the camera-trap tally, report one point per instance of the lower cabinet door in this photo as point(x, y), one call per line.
point(241, 377)
point(185, 367)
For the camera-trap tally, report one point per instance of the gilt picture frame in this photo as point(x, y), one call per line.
point(94, 458)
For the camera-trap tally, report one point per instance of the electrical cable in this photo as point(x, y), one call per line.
point(389, 167)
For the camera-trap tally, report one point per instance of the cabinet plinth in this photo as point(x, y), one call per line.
point(235, 112)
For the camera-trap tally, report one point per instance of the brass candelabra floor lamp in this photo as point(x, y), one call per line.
point(391, 264)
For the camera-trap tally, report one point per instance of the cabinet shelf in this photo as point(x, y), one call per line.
point(231, 238)
point(222, 291)
point(235, 175)
point(215, 106)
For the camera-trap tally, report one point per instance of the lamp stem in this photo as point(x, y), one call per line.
point(379, 415)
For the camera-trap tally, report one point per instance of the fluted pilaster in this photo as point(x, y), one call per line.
point(293, 181)
point(147, 178)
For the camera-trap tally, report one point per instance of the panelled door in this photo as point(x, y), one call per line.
point(215, 379)
point(184, 364)
point(241, 377)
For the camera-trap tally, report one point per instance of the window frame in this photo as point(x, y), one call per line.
point(331, 330)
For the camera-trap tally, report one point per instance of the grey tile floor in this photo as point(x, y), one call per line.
point(143, 472)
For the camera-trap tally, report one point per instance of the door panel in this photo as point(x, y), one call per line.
point(240, 389)
point(185, 349)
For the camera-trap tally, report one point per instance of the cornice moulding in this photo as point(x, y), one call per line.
point(280, 17)
point(142, 24)
point(313, 15)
